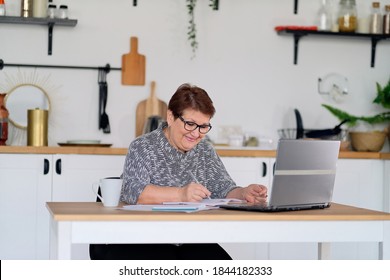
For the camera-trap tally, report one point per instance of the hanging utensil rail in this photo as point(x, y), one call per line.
point(107, 68)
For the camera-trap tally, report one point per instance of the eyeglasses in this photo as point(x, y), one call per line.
point(191, 126)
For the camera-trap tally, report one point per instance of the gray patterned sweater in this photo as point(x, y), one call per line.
point(152, 160)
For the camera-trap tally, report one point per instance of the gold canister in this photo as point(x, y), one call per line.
point(27, 8)
point(37, 127)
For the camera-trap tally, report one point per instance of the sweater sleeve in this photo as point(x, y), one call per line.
point(219, 181)
point(136, 175)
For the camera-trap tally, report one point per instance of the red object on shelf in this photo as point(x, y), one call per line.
point(295, 27)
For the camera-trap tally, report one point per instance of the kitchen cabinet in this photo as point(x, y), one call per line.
point(28, 181)
point(25, 186)
point(50, 22)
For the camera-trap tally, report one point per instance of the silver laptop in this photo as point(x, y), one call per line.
point(304, 176)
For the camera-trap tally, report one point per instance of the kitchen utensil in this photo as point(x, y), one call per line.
point(152, 123)
point(299, 124)
point(321, 133)
point(151, 106)
point(133, 65)
point(104, 122)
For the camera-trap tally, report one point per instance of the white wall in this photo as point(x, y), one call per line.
point(244, 65)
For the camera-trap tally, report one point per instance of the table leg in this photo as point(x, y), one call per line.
point(324, 251)
point(60, 240)
point(384, 246)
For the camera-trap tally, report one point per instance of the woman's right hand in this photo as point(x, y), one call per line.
point(193, 192)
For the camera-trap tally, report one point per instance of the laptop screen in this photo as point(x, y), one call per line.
point(305, 172)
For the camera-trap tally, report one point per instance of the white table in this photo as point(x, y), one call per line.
point(90, 222)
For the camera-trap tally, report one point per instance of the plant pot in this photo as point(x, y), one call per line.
point(372, 141)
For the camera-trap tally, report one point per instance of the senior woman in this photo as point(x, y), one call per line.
point(175, 163)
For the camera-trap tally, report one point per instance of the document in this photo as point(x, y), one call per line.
point(168, 207)
point(187, 207)
point(208, 202)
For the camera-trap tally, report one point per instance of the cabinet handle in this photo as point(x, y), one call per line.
point(264, 169)
point(58, 166)
point(46, 166)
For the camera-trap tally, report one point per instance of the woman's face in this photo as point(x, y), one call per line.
point(178, 136)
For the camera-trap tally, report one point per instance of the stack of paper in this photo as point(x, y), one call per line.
point(205, 204)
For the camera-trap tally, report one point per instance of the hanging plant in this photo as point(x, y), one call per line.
point(214, 4)
point(191, 4)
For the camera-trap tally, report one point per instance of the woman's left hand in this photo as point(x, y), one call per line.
point(253, 193)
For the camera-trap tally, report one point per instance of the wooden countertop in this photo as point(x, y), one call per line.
point(95, 211)
point(246, 152)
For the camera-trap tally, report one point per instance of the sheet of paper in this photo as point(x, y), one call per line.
point(168, 207)
point(207, 202)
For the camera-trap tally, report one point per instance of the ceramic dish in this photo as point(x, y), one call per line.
point(83, 145)
point(83, 141)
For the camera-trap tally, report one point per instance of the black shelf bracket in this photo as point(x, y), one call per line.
point(50, 38)
point(295, 6)
point(374, 41)
point(297, 37)
point(134, 3)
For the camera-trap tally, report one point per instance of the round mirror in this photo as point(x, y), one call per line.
point(22, 98)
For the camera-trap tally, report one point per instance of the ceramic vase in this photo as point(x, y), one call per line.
point(3, 120)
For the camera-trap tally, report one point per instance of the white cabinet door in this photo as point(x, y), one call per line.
point(246, 170)
point(74, 175)
point(359, 182)
point(25, 187)
point(386, 186)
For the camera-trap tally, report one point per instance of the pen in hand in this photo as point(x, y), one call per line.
point(195, 180)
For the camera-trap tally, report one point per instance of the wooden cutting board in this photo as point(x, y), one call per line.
point(133, 65)
point(152, 106)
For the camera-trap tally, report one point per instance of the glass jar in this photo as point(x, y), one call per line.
point(376, 19)
point(386, 20)
point(63, 12)
point(347, 16)
point(324, 16)
point(51, 11)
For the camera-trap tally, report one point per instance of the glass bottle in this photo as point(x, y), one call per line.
point(375, 19)
point(51, 11)
point(63, 12)
point(386, 20)
point(347, 16)
point(2, 8)
point(324, 16)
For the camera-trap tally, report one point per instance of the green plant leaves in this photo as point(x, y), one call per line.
point(383, 95)
point(342, 115)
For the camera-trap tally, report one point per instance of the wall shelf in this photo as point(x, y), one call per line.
point(298, 34)
point(50, 22)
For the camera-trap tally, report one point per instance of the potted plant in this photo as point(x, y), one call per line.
point(368, 140)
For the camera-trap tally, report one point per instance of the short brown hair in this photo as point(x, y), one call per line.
point(188, 96)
